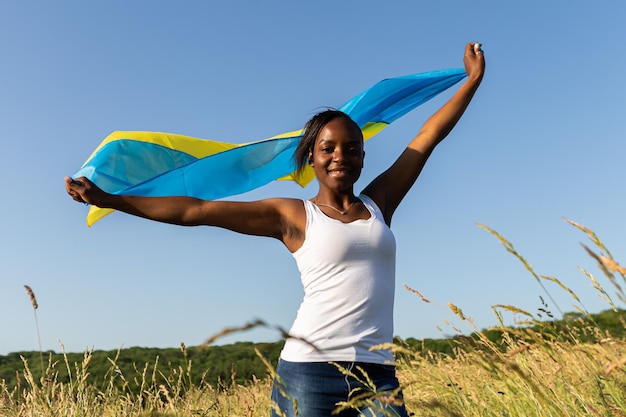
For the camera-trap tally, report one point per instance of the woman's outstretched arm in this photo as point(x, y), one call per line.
point(278, 218)
point(389, 188)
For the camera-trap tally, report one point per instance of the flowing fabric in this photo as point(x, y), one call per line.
point(163, 164)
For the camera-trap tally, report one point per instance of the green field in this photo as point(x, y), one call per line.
point(575, 366)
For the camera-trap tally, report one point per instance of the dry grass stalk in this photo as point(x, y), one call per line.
point(424, 299)
point(230, 330)
point(616, 365)
point(456, 311)
point(612, 265)
point(31, 294)
point(33, 301)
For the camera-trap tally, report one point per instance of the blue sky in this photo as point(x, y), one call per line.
point(542, 140)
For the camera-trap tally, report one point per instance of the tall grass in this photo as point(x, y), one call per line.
point(141, 394)
point(538, 368)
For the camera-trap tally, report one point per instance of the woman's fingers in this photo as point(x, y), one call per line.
point(75, 188)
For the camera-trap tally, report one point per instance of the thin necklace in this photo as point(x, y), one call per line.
point(342, 212)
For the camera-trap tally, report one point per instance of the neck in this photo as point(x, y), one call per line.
point(341, 205)
point(335, 196)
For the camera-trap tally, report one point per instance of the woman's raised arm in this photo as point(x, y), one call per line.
point(389, 188)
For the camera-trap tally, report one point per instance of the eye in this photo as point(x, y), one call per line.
point(326, 149)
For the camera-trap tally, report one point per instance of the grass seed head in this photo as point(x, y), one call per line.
point(31, 294)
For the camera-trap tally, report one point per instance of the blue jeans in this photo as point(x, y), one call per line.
point(314, 389)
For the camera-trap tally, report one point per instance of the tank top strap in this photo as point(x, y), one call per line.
point(371, 205)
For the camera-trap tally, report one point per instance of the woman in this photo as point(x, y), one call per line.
point(344, 249)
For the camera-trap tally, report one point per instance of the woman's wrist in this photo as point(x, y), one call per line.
point(106, 200)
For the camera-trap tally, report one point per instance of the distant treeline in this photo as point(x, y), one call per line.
point(240, 362)
point(215, 365)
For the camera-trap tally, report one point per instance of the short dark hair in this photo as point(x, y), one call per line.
point(310, 132)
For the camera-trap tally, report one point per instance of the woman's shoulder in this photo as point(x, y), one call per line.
point(369, 201)
point(290, 208)
point(373, 205)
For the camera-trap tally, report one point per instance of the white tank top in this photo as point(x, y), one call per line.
point(348, 274)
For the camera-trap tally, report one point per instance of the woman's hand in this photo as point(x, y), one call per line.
point(474, 61)
point(85, 191)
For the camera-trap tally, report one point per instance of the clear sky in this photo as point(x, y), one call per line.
point(543, 139)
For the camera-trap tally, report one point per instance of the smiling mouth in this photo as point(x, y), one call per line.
point(339, 172)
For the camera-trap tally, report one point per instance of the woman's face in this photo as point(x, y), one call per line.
point(337, 156)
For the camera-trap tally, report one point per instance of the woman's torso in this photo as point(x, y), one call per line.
point(348, 275)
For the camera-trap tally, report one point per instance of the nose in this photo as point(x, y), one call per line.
point(338, 154)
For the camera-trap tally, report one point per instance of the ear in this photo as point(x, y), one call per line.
point(310, 158)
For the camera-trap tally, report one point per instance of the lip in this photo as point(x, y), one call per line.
point(343, 172)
